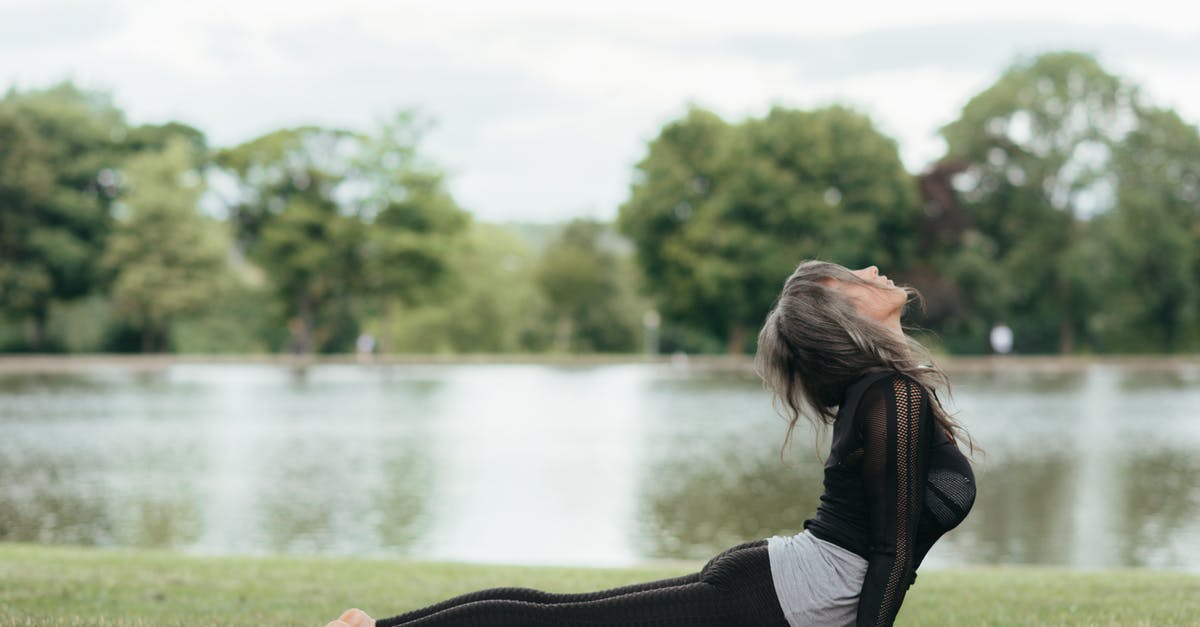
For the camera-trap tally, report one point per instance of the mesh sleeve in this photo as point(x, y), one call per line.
point(895, 447)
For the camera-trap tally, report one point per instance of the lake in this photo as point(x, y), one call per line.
point(1094, 466)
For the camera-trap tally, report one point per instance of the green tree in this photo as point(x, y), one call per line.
point(1040, 143)
point(589, 291)
point(343, 220)
point(414, 222)
point(59, 152)
point(494, 304)
point(312, 253)
point(289, 219)
point(167, 259)
point(155, 137)
point(720, 214)
point(1152, 239)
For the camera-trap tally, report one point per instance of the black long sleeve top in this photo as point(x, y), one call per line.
point(894, 483)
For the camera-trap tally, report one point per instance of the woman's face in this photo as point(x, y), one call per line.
point(881, 303)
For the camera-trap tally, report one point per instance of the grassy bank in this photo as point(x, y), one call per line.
point(72, 586)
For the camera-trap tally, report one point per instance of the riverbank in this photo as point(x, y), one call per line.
point(53, 585)
point(15, 364)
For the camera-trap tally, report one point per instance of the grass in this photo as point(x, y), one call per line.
point(45, 585)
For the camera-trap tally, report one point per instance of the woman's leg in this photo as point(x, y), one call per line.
point(529, 595)
point(734, 588)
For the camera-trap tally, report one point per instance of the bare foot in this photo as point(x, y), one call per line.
point(353, 618)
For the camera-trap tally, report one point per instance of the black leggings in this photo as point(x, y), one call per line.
point(733, 589)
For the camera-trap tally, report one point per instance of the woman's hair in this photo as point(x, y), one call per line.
point(814, 344)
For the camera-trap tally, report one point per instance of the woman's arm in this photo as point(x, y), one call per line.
point(895, 450)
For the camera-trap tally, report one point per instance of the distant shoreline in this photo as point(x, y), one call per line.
point(10, 364)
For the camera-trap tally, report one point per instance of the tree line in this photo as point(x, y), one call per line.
point(1067, 207)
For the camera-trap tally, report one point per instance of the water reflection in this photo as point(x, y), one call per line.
point(55, 519)
point(313, 465)
point(217, 459)
point(1160, 500)
point(161, 523)
point(399, 501)
point(1091, 467)
point(32, 384)
point(42, 503)
point(537, 464)
point(694, 510)
point(1022, 512)
point(63, 500)
point(344, 495)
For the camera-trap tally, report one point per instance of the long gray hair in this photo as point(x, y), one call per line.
point(814, 344)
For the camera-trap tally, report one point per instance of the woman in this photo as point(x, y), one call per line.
point(833, 349)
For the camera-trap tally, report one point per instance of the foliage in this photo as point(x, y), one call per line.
point(311, 252)
point(59, 150)
point(506, 298)
point(1151, 265)
point(83, 325)
point(1039, 143)
point(166, 257)
point(588, 292)
point(288, 220)
point(414, 223)
point(242, 319)
point(341, 221)
point(494, 305)
point(275, 168)
point(721, 213)
point(1066, 207)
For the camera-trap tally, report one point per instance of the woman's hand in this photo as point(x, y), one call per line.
point(353, 618)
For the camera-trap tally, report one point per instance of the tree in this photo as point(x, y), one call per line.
point(167, 259)
point(288, 219)
point(494, 304)
point(1039, 143)
point(341, 219)
point(155, 137)
point(721, 214)
point(1152, 237)
point(312, 254)
point(414, 223)
point(59, 152)
point(588, 290)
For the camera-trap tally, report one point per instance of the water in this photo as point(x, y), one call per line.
point(597, 465)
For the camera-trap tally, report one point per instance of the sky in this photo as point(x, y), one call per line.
point(541, 109)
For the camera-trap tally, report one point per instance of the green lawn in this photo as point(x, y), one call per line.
point(42, 585)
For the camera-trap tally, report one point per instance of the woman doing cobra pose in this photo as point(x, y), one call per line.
point(832, 348)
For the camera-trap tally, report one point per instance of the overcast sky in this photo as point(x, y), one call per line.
point(543, 107)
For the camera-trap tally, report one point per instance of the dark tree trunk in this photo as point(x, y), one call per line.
point(148, 339)
point(302, 333)
point(564, 329)
point(387, 333)
point(37, 334)
point(1066, 335)
point(737, 339)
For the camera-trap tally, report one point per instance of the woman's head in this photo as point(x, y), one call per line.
point(874, 296)
point(829, 327)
